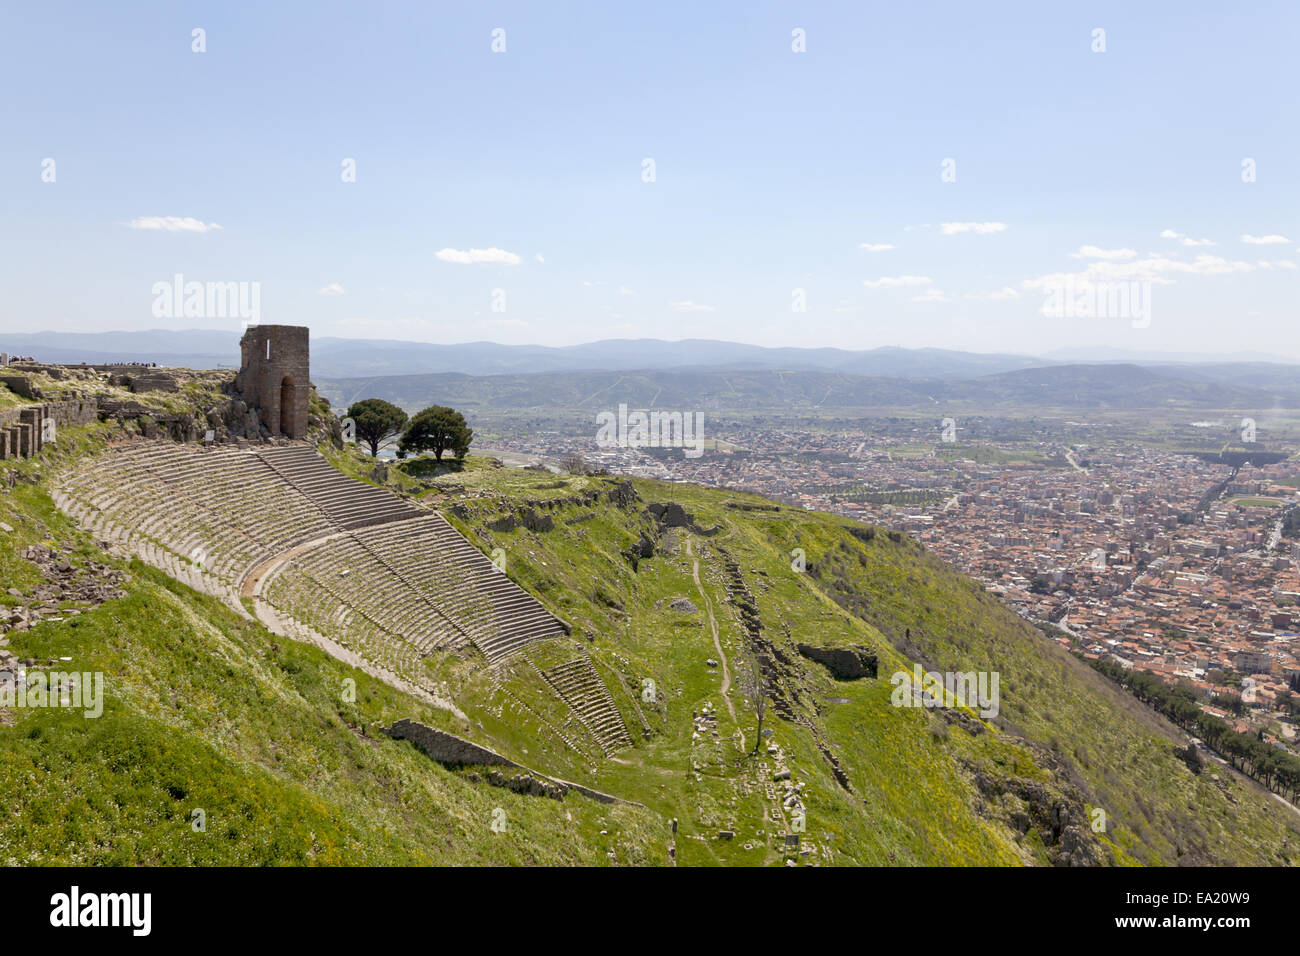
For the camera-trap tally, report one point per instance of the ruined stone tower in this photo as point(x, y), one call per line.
point(274, 377)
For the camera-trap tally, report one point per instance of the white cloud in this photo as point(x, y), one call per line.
point(539, 258)
point(931, 295)
point(624, 290)
point(689, 307)
point(332, 289)
point(465, 257)
point(1154, 268)
point(1001, 295)
point(877, 246)
point(1185, 239)
point(894, 282)
point(172, 224)
point(1095, 252)
point(1285, 264)
point(979, 228)
point(1265, 240)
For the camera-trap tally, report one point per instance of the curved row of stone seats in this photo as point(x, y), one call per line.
point(241, 488)
point(129, 487)
point(219, 482)
point(124, 488)
point(317, 604)
point(581, 688)
point(497, 614)
point(417, 552)
point(126, 541)
point(451, 612)
point(365, 583)
point(406, 582)
point(276, 497)
point(347, 502)
point(287, 626)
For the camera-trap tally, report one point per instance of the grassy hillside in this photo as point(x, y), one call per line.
point(208, 711)
point(1086, 743)
point(1116, 750)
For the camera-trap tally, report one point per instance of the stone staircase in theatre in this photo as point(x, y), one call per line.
point(580, 687)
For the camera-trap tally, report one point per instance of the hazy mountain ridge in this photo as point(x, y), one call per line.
point(339, 358)
point(1069, 386)
point(700, 373)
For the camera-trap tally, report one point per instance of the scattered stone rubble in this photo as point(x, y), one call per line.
point(64, 584)
point(683, 604)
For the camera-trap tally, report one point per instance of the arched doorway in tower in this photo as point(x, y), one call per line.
point(286, 407)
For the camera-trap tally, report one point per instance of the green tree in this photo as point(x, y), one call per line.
point(437, 429)
point(376, 421)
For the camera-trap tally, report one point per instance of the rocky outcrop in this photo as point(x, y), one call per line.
point(844, 663)
point(1054, 807)
point(503, 524)
point(639, 550)
point(531, 520)
point(623, 494)
point(671, 515)
point(683, 604)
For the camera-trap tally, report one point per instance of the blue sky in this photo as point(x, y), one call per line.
point(774, 170)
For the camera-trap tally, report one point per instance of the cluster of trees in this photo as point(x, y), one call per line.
point(438, 429)
point(1273, 767)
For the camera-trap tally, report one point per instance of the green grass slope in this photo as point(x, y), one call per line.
point(926, 787)
point(206, 710)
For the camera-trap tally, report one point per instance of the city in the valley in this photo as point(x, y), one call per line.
point(1125, 539)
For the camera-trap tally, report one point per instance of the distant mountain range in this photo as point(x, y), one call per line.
point(703, 373)
point(793, 391)
point(337, 358)
point(353, 358)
